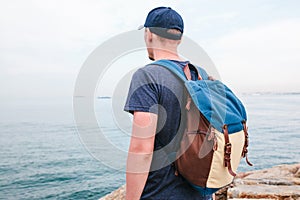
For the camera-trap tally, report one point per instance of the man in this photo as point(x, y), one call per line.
point(156, 98)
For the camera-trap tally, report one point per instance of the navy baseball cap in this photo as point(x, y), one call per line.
point(161, 19)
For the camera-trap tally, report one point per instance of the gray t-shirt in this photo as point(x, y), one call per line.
point(156, 89)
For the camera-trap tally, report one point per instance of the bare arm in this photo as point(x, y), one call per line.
point(140, 153)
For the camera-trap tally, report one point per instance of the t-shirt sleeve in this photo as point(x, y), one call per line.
point(143, 93)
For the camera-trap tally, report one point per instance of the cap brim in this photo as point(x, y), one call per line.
point(140, 27)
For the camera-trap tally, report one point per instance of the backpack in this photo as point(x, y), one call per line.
point(216, 135)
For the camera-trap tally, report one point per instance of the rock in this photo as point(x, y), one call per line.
point(118, 194)
point(297, 174)
point(264, 191)
point(221, 194)
point(280, 182)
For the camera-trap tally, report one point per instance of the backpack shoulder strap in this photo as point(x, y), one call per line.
point(203, 73)
point(172, 67)
point(182, 74)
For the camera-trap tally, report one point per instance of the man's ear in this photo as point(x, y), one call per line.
point(149, 35)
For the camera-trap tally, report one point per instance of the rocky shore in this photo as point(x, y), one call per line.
point(279, 182)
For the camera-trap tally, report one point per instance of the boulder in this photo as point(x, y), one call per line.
point(280, 182)
point(118, 194)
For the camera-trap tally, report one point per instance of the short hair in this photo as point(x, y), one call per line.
point(165, 40)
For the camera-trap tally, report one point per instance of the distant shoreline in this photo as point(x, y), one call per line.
point(270, 93)
point(241, 93)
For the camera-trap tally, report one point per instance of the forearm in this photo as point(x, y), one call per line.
point(140, 153)
point(137, 173)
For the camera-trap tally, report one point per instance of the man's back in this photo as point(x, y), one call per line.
point(157, 90)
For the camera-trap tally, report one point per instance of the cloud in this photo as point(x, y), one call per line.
point(261, 58)
point(61, 32)
point(44, 43)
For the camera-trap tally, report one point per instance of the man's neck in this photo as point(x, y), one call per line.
point(167, 55)
point(168, 58)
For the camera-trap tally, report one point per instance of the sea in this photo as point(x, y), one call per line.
point(44, 157)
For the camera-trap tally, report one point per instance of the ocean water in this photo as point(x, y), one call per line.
point(42, 156)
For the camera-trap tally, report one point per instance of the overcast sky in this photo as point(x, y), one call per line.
point(255, 44)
